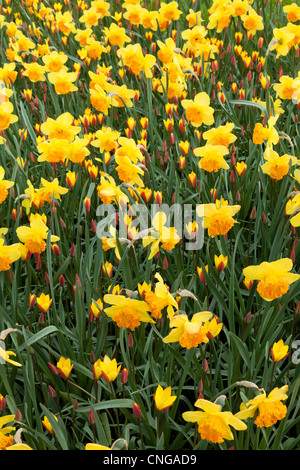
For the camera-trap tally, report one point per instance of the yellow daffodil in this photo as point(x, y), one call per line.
point(214, 424)
point(198, 111)
point(159, 233)
point(6, 438)
point(221, 135)
point(5, 355)
point(218, 217)
point(270, 408)
point(34, 236)
point(189, 333)
point(277, 166)
point(159, 299)
point(60, 128)
point(127, 312)
point(273, 278)
point(212, 157)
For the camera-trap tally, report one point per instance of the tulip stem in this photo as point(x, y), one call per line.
point(272, 374)
point(116, 410)
point(160, 422)
point(96, 389)
point(141, 434)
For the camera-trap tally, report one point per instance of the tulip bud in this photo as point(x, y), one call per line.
point(51, 391)
point(253, 213)
point(124, 376)
point(165, 263)
point(292, 255)
point(248, 318)
point(137, 411)
point(53, 369)
point(87, 204)
point(2, 403)
point(32, 299)
point(130, 340)
point(18, 415)
point(91, 417)
point(73, 250)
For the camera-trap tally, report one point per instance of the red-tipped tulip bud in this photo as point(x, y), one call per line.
point(73, 251)
point(248, 318)
point(200, 386)
point(130, 340)
point(62, 281)
point(124, 376)
point(137, 411)
point(18, 415)
point(14, 214)
point(165, 263)
point(32, 299)
point(91, 417)
point(292, 255)
point(53, 369)
point(2, 403)
point(253, 213)
point(51, 391)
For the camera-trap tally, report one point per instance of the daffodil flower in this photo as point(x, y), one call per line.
point(214, 424)
point(159, 233)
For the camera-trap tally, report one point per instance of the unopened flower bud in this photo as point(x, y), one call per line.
point(2, 403)
point(91, 417)
point(248, 318)
point(51, 391)
point(137, 411)
point(130, 340)
point(124, 376)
